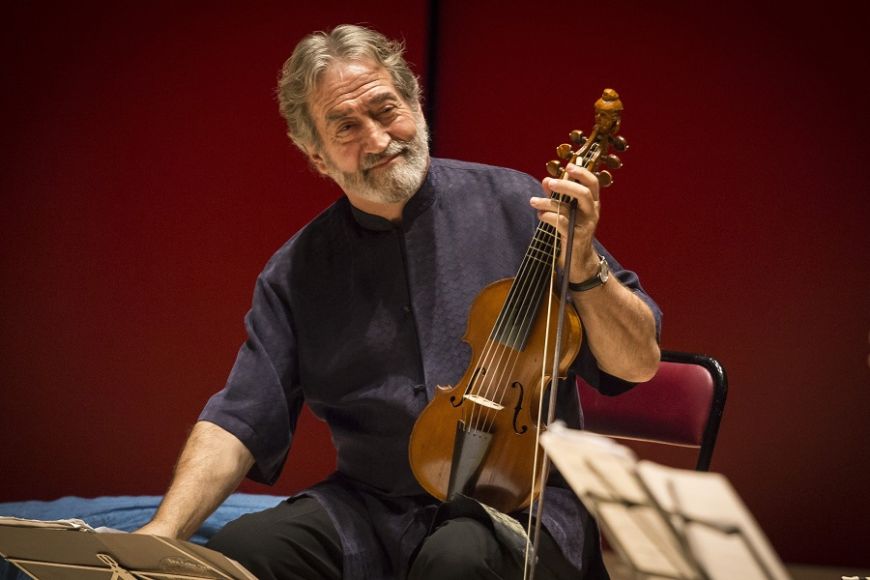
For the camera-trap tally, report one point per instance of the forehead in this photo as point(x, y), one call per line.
point(346, 84)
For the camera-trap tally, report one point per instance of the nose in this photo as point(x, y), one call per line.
point(377, 137)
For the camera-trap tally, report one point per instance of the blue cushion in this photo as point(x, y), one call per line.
point(127, 513)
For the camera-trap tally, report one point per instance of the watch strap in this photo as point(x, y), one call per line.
point(598, 279)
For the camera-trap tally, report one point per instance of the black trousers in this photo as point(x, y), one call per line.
point(297, 540)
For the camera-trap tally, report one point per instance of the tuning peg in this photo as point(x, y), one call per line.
point(619, 143)
point(564, 151)
point(612, 161)
point(554, 168)
point(604, 178)
point(577, 137)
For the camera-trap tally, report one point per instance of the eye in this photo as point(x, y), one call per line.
point(344, 128)
point(388, 112)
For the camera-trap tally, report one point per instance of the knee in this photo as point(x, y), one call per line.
point(283, 542)
point(461, 548)
point(242, 540)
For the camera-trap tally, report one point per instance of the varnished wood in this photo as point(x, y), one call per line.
point(503, 479)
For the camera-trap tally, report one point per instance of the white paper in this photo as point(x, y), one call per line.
point(663, 521)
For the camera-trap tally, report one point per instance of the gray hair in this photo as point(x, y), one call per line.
point(315, 53)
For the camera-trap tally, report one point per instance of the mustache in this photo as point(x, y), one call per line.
point(395, 147)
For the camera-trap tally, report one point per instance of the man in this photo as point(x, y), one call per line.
point(362, 313)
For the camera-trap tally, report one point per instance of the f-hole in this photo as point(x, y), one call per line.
point(517, 430)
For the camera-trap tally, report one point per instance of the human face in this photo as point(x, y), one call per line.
point(604, 120)
point(373, 143)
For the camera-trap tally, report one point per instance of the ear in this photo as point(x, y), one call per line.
point(317, 161)
point(310, 151)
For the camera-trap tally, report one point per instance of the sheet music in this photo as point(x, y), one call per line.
point(717, 525)
point(663, 522)
point(640, 536)
point(69, 524)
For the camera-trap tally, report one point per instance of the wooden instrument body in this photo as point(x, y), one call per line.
point(503, 377)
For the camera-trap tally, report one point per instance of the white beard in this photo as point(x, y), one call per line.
point(396, 183)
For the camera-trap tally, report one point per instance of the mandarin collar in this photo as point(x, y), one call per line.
point(419, 203)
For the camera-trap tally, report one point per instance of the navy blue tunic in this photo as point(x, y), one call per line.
point(361, 319)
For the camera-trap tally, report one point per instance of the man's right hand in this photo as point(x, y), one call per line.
point(155, 528)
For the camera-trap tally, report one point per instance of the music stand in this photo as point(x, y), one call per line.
point(663, 522)
point(72, 550)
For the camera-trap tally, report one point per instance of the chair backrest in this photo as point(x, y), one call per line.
point(682, 405)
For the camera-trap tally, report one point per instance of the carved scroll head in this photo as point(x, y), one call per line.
point(608, 111)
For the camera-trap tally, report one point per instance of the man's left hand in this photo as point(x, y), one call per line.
point(582, 186)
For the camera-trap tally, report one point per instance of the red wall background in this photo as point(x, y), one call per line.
point(146, 179)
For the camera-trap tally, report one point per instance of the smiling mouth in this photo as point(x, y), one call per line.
point(386, 161)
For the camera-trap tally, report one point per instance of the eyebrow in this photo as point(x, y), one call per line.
point(378, 99)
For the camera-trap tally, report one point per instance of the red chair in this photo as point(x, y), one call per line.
point(682, 405)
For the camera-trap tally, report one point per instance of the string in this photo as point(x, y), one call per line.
point(497, 359)
point(512, 320)
point(528, 299)
point(539, 279)
point(489, 373)
point(488, 386)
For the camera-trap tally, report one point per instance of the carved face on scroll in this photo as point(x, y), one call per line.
point(608, 111)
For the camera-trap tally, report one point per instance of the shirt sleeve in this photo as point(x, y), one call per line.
point(261, 400)
point(586, 366)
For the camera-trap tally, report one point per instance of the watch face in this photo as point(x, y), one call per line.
point(604, 273)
